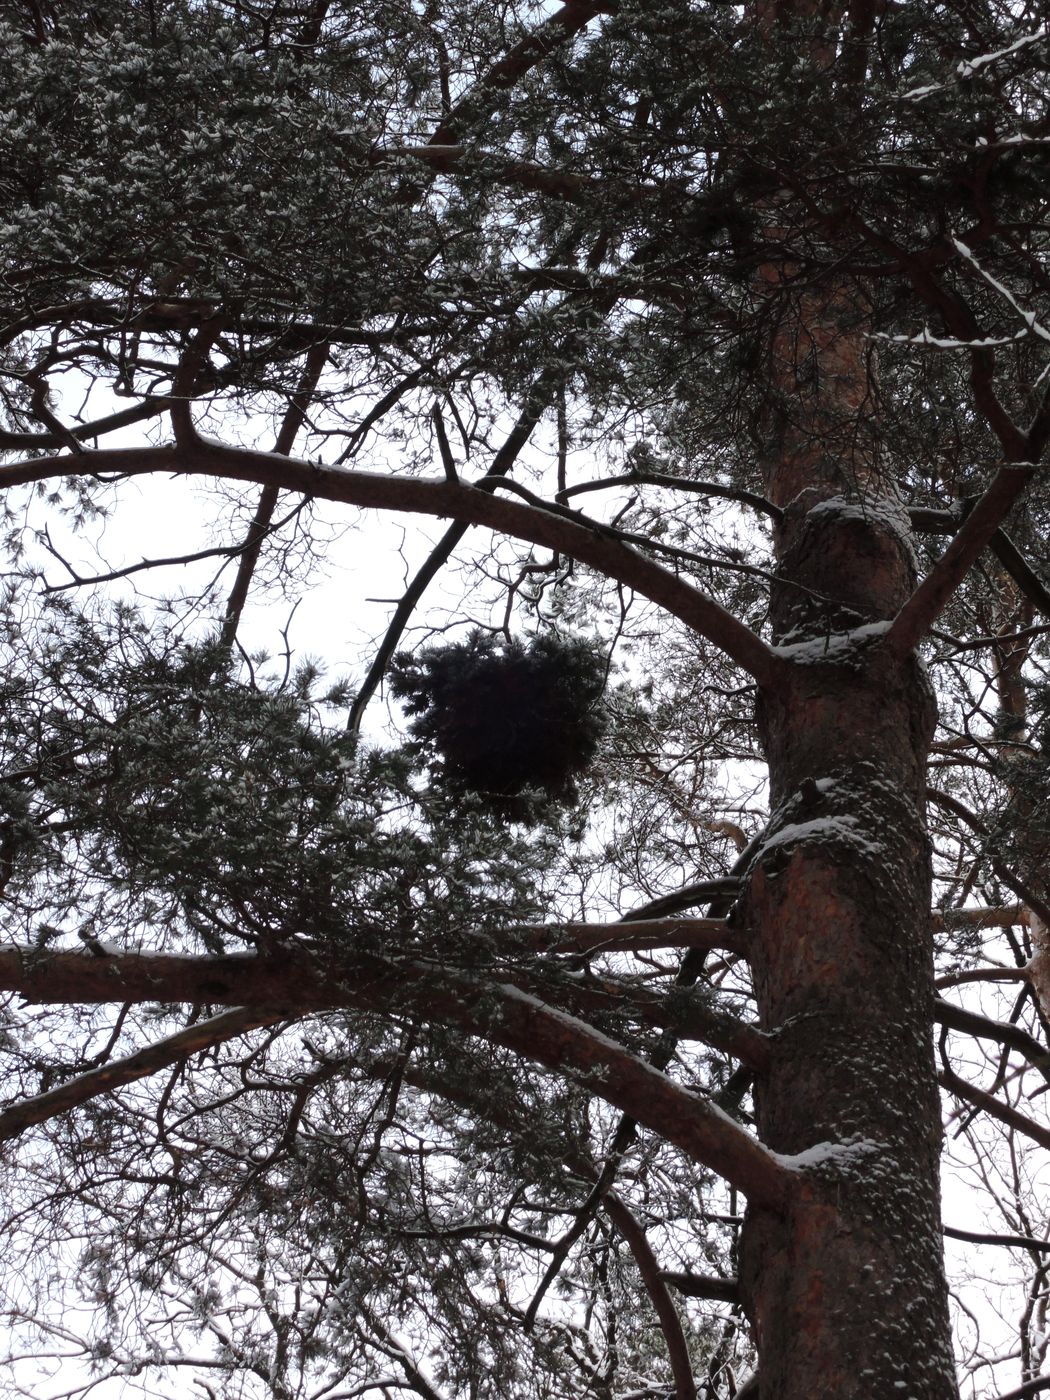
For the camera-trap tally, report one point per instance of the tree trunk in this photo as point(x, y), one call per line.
point(846, 1294)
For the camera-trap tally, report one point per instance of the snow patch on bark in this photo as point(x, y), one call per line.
point(844, 828)
point(833, 647)
point(836, 1154)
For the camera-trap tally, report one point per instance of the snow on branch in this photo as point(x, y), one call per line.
point(1031, 321)
point(969, 66)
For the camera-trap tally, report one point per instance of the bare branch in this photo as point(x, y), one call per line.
point(957, 1018)
point(294, 418)
point(148, 408)
point(1007, 1241)
point(933, 594)
point(656, 1287)
point(994, 1107)
point(439, 498)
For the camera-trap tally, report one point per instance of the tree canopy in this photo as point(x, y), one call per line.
point(552, 997)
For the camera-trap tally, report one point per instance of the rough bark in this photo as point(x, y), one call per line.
point(846, 1290)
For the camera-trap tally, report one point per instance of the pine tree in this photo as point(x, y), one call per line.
point(720, 337)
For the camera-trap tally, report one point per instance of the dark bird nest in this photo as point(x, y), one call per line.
point(512, 722)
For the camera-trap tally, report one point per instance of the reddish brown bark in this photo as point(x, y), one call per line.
point(846, 1291)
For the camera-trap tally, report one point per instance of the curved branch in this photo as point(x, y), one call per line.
point(291, 982)
point(677, 483)
point(368, 490)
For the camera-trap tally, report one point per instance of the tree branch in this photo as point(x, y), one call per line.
point(292, 982)
point(536, 401)
point(989, 1104)
point(148, 408)
point(562, 26)
point(295, 416)
point(1012, 881)
point(473, 505)
point(957, 1018)
point(946, 522)
point(675, 483)
point(933, 594)
point(203, 1035)
point(1007, 1241)
point(723, 1290)
point(634, 935)
point(1033, 1387)
point(655, 1286)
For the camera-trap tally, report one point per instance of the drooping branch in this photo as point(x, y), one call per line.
point(291, 983)
point(1022, 573)
point(724, 891)
point(618, 561)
